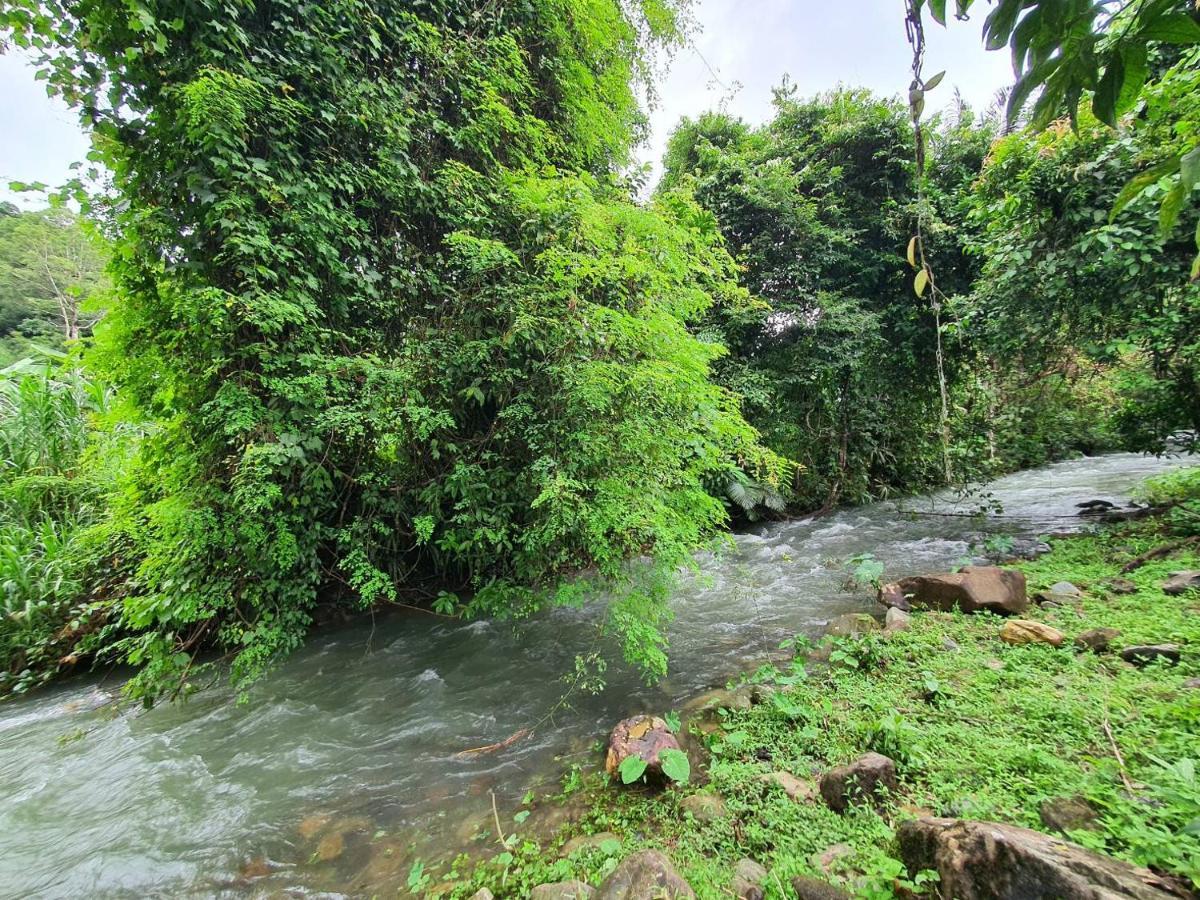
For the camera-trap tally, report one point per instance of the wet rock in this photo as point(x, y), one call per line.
point(990, 861)
point(851, 624)
point(1096, 639)
point(331, 847)
point(1121, 586)
point(896, 620)
point(645, 874)
point(588, 842)
point(749, 879)
point(720, 699)
point(562, 890)
point(1025, 631)
point(867, 779)
point(808, 888)
point(1143, 655)
point(1096, 505)
point(974, 589)
point(642, 736)
point(258, 867)
point(1067, 814)
point(313, 825)
point(1181, 583)
point(705, 807)
point(799, 790)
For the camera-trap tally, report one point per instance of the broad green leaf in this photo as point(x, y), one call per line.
point(1104, 101)
point(934, 81)
point(1137, 69)
point(921, 282)
point(937, 9)
point(631, 769)
point(1172, 206)
point(1136, 185)
point(1189, 169)
point(912, 252)
point(1176, 28)
point(675, 765)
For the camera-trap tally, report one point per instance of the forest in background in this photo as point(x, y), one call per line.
point(384, 322)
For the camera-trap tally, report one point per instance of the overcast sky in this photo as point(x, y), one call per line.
point(749, 45)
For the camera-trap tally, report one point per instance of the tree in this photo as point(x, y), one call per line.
point(51, 269)
point(397, 325)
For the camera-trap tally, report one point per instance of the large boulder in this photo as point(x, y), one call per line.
point(973, 589)
point(866, 780)
point(808, 888)
point(990, 861)
point(643, 736)
point(646, 874)
point(1144, 654)
point(749, 880)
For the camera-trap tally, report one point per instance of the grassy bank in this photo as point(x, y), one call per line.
point(978, 729)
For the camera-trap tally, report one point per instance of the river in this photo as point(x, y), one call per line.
point(349, 751)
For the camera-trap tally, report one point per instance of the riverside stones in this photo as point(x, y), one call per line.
point(642, 736)
point(1143, 655)
point(1067, 814)
point(748, 880)
point(705, 807)
point(563, 890)
point(1096, 639)
point(973, 589)
point(991, 861)
point(589, 842)
point(896, 620)
point(798, 789)
point(645, 874)
point(851, 624)
point(1181, 583)
point(808, 888)
point(1026, 631)
point(867, 779)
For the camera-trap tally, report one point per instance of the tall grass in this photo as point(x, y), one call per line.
point(47, 413)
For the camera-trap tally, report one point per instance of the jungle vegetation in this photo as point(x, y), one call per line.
point(384, 320)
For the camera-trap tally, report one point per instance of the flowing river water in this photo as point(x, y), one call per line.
point(343, 767)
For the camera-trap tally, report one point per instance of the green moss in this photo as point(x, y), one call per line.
point(978, 729)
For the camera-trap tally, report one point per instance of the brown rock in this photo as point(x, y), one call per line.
point(1025, 631)
point(896, 620)
point(644, 875)
point(562, 890)
point(705, 807)
point(331, 846)
point(588, 842)
point(1067, 814)
point(974, 589)
point(1182, 582)
point(1096, 639)
point(807, 888)
point(826, 861)
point(797, 789)
point(642, 736)
point(1121, 586)
point(864, 780)
point(851, 624)
point(990, 861)
point(748, 880)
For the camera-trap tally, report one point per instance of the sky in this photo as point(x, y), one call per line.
point(741, 50)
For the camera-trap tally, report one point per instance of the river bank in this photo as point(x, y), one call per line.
point(1058, 739)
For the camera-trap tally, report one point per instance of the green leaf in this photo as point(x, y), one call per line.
point(1136, 185)
point(912, 252)
point(631, 769)
point(521, 816)
point(675, 765)
point(610, 847)
point(937, 9)
point(673, 722)
point(1176, 28)
point(1172, 206)
point(1137, 70)
point(1104, 101)
point(1189, 169)
point(934, 81)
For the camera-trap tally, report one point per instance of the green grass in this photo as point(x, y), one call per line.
point(984, 731)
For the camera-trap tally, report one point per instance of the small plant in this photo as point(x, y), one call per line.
point(865, 571)
point(418, 879)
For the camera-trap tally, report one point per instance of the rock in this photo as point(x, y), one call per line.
point(990, 861)
point(1143, 655)
point(974, 589)
point(644, 875)
point(1067, 814)
point(1025, 631)
point(1066, 588)
point(313, 825)
point(807, 888)
point(721, 699)
point(828, 858)
point(331, 846)
point(1101, 505)
point(851, 624)
point(705, 807)
point(1061, 594)
point(1192, 684)
point(798, 789)
point(1096, 639)
point(748, 880)
point(949, 644)
point(1181, 583)
point(866, 779)
point(482, 894)
point(896, 620)
point(562, 890)
point(1121, 586)
point(642, 736)
point(588, 842)
point(996, 665)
